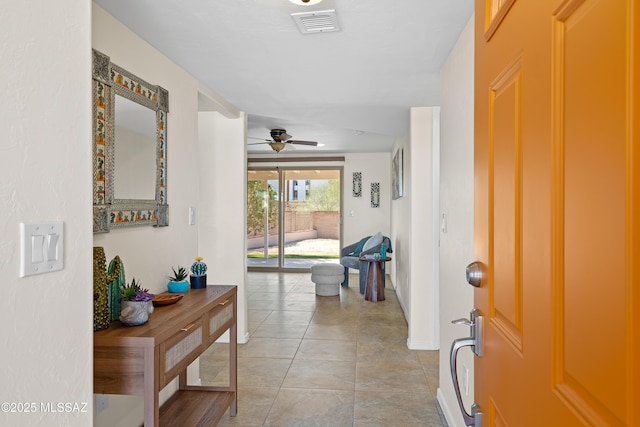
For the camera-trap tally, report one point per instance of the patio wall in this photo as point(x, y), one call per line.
point(325, 224)
point(258, 242)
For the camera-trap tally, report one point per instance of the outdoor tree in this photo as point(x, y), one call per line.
point(324, 198)
point(256, 205)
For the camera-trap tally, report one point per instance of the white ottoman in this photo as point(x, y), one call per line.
point(327, 277)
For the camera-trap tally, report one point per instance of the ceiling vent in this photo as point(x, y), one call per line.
point(320, 21)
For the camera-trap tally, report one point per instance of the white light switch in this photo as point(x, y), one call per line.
point(37, 246)
point(52, 247)
point(41, 247)
point(192, 216)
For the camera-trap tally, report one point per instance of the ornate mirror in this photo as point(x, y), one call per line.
point(129, 149)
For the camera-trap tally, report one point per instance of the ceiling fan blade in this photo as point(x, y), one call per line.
point(260, 139)
point(259, 143)
point(311, 143)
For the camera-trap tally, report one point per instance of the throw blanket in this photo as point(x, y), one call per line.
point(358, 249)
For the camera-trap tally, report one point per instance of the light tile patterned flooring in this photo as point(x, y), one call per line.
point(325, 361)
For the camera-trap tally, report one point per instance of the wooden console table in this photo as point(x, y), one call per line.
point(141, 360)
point(374, 290)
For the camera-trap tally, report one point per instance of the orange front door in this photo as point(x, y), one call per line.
point(557, 158)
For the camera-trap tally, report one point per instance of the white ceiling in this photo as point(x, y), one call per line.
point(320, 87)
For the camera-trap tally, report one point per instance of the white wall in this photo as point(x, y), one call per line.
point(223, 204)
point(45, 174)
point(359, 218)
point(414, 218)
point(423, 324)
point(149, 253)
point(456, 202)
point(401, 232)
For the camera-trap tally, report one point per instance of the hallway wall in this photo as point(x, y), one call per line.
point(149, 253)
point(456, 203)
point(414, 225)
point(45, 175)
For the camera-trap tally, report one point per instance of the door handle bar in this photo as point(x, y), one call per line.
point(475, 342)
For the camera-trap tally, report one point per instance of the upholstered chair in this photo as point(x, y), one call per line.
point(350, 257)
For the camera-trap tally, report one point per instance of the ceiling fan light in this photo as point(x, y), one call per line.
point(305, 2)
point(277, 146)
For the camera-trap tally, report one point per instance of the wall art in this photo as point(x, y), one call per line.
point(396, 174)
point(375, 194)
point(357, 184)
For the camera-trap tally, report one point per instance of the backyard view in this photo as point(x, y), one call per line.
point(310, 203)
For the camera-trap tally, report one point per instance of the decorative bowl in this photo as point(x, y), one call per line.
point(160, 300)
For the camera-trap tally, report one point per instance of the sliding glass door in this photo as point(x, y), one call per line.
point(263, 207)
point(301, 210)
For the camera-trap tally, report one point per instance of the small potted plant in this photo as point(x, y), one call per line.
point(178, 282)
point(198, 274)
point(136, 304)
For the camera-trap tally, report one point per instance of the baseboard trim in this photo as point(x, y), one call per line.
point(244, 339)
point(422, 345)
point(446, 410)
point(224, 338)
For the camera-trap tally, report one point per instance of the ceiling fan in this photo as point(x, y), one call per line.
point(280, 140)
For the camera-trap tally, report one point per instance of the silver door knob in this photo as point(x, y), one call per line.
point(475, 274)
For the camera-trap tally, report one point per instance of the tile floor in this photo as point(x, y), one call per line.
point(325, 361)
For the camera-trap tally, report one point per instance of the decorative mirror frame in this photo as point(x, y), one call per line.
point(108, 212)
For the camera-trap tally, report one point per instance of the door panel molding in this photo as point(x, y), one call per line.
point(495, 417)
point(505, 192)
point(585, 173)
point(497, 11)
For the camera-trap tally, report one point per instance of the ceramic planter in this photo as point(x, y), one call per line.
point(135, 313)
point(181, 286)
point(198, 282)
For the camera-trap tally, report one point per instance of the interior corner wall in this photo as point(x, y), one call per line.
point(456, 204)
point(223, 202)
point(45, 170)
point(149, 253)
point(413, 223)
point(423, 323)
point(401, 231)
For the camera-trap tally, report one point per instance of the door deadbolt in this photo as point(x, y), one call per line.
point(475, 274)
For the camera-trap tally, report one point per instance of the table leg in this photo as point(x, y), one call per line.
point(375, 285)
point(380, 282)
point(368, 292)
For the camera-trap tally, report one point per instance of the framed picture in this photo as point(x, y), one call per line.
point(397, 167)
point(375, 194)
point(357, 184)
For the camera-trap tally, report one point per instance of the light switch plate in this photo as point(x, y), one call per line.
point(42, 246)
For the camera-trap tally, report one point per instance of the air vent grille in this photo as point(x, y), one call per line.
point(320, 21)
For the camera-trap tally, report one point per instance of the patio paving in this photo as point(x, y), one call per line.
point(303, 247)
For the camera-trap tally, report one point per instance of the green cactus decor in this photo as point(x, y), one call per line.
point(106, 289)
point(115, 280)
point(199, 274)
point(199, 268)
point(100, 290)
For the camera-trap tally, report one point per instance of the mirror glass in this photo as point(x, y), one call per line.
point(135, 151)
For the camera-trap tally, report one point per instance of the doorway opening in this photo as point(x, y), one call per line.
point(293, 217)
